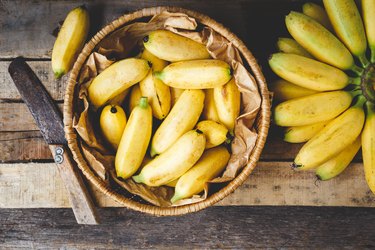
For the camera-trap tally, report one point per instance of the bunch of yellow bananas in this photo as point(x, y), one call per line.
point(324, 93)
point(194, 96)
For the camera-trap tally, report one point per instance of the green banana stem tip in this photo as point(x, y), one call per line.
point(138, 178)
point(230, 138)
point(360, 101)
point(363, 59)
point(59, 73)
point(357, 70)
point(153, 152)
point(143, 102)
point(355, 80)
point(159, 75)
point(175, 198)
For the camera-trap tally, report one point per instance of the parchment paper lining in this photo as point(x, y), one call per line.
point(127, 41)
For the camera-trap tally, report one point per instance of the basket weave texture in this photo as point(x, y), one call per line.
point(261, 125)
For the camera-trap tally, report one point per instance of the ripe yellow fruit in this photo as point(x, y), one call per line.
point(317, 13)
point(135, 96)
point(211, 164)
point(304, 133)
point(196, 74)
point(154, 89)
point(308, 73)
point(134, 140)
point(368, 9)
point(215, 132)
point(331, 140)
point(284, 90)
point(368, 146)
point(70, 40)
point(288, 45)
point(228, 103)
point(112, 124)
point(175, 161)
point(339, 163)
point(209, 109)
point(116, 79)
point(173, 47)
point(182, 118)
point(312, 109)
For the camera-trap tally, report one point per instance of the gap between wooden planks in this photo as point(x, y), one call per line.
point(38, 185)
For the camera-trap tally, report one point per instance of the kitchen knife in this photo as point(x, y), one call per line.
point(49, 121)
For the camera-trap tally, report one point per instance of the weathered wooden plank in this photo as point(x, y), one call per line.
point(35, 185)
point(43, 70)
point(23, 34)
point(213, 228)
point(23, 146)
point(17, 117)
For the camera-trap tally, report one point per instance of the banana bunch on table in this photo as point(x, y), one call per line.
point(326, 93)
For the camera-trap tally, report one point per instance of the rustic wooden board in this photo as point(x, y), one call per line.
point(55, 88)
point(38, 185)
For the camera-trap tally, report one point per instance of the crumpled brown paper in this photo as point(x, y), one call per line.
point(126, 41)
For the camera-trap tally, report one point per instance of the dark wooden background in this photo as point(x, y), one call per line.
point(25, 29)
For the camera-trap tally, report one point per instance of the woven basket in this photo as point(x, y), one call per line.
point(262, 123)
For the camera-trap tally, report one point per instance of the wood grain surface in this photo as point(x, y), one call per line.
point(275, 208)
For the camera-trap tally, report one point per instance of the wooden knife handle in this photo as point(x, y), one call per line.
point(80, 200)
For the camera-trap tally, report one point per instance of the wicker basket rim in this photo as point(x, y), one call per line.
point(71, 134)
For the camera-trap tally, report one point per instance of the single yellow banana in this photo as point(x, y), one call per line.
point(154, 89)
point(119, 99)
point(347, 22)
point(134, 140)
point(331, 140)
point(318, 41)
point(215, 132)
point(312, 109)
point(308, 73)
point(339, 163)
point(175, 94)
point(182, 118)
point(196, 74)
point(116, 79)
point(209, 109)
point(368, 10)
point(284, 90)
point(70, 40)
point(173, 47)
point(135, 96)
point(317, 13)
point(228, 102)
point(368, 146)
point(175, 161)
point(211, 164)
point(112, 124)
point(304, 133)
point(288, 45)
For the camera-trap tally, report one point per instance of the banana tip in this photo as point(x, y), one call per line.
point(175, 198)
point(296, 166)
point(59, 73)
point(138, 178)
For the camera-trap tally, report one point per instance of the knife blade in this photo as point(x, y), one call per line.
point(50, 123)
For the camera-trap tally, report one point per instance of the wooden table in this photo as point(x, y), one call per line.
point(276, 207)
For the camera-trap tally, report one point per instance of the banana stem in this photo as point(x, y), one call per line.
point(357, 70)
point(360, 101)
point(355, 92)
point(372, 54)
point(370, 108)
point(355, 80)
point(363, 59)
point(143, 102)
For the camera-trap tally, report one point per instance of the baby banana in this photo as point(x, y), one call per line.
point(312, 109)
point(368, 146)
point(304, 133)
point(368, 10)
point(115, 79)
point(175, 94)
point(112, 124)
point(215, 133)
point(175, 161)
point(288, 45)
point(135, 96)
point(157, 92)
point(134, 140)
point(308, 73)
point(284, 90)
point(211, 164)
point(339, 163)
point(318, 41)
point(347, 22)
point(209, 109)
point(70, 40)
point(331, 140)
point(317, 13)
point(197, 74)
point(172, 47)
point(182, 118)
point(228, 102)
